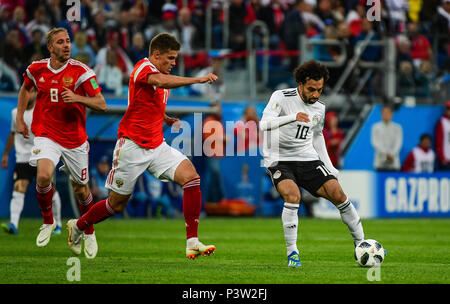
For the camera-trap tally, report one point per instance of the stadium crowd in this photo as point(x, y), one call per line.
point(113, 35)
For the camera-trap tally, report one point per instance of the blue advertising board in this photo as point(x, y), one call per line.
point(413, 195)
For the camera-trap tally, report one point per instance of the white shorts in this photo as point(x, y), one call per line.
point(76, 160)
point(131, 160)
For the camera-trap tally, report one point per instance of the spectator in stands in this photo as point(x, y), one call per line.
point(397, 10)
point(273, 15)
point(421, 158)
point(18, 22)
point(237, 25)
point(333, 138)
point(424, 78)
point(36, 46)
point(216, 90)
point(246, 130)
point(123, 61)
point(193, 58)
point(138, 50)
point(198, 19)
point(294, 26)
point(214, 139)
point(109, 76)
point(442, 137)
point(387, 140)
point(97, 33)
point(371, 53)
point(406, 80)
point(123, 29)
point(137, 24)
point(168, 21)
point(98, 176)
point(39, 21)
point(420, 46)
point(12, 52)
point(4, 21)
point(81, 50)
point(441, 27)
point(354, 19)
point(403, 50)
point(9, 78)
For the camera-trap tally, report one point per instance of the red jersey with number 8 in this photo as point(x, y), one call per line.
point(64, 123)
point(144, 118)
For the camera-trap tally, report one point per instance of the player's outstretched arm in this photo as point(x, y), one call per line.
point(96, 102)
point(25, 94)
point(165, 81)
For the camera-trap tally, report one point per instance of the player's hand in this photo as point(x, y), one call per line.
point(5, 161)
point(175, 123)
point(22, 128)
point(303, 117)
point(69, 96)
point(210, 78)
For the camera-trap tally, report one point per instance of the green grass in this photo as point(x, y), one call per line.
point(249, 250)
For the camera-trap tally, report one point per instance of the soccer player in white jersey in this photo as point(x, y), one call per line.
point(294, 118)
point(23, 172)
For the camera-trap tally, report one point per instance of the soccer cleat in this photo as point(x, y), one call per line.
point(294, 260)
point(45, 233)
point(57, 230)
point(10, 228)
point(200, 249)
point(75, 237)
point(90, 246)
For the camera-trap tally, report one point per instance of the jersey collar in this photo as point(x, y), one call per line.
point(58, 70)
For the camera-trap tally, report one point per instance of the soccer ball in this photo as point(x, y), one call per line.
point(369, 253)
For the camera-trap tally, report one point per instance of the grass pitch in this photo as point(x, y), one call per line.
point(250, 250)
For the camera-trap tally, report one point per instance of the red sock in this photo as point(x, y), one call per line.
point(192, 205)
point(99, 212)
point(84, 207)
point(44, 198)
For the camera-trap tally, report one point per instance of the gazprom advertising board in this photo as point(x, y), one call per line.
point(413, 195)
point(392, 194)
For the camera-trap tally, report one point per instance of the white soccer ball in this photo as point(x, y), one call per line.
point(369, 253)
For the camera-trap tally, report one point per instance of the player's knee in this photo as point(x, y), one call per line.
point(292, 198)
point(81, 191)
point(43, 178)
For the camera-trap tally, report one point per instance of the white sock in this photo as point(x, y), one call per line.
point(16, 207)
point(289, 218)
point(56, 208)
point(351, 218)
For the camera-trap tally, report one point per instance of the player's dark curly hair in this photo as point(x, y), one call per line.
point(311, 70)
point(164, 43)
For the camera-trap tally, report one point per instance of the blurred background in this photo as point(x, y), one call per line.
point(388, 52)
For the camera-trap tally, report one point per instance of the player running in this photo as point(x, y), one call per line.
point(23, 172)
point(65, 87)
point(141, 146)
point(295, 118)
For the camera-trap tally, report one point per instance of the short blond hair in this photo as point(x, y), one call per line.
point(53, 32)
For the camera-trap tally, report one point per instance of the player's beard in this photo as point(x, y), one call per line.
point(306, 99)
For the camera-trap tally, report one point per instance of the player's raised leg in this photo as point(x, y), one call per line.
point(45, 191)
point(85, 202)
point(332, 191)
point(187, 177)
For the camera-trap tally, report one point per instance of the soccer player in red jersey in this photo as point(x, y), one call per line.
point(65, 87)
point(141, 146)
